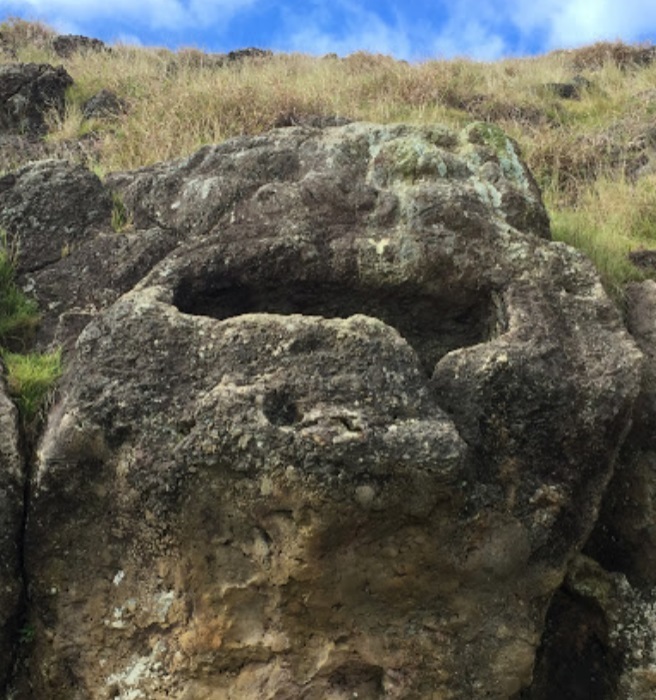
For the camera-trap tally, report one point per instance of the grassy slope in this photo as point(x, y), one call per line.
point(585, 153)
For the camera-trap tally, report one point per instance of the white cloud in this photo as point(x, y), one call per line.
point(472, 29)
point(128, 39)
point(155, 14)
point(575, 22)
point(489, 29)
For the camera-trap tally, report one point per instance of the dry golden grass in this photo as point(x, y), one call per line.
point(179, 101)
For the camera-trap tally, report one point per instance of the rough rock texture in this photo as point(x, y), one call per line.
point(12, 486)
point(599, 640)
point(342, 441)
point(248, 53)
point(49, 207)
point(59, 216)
point(600, 637)
point(625, 538)
point(16, 150)
point(27, 92)
point(319, 121)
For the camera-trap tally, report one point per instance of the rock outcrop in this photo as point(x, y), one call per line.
point(66, 45)
point(342, 440)
point(28, 91)
point(625, 538)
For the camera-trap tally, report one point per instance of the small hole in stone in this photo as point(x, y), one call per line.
point(280, 408)
point(359, 679)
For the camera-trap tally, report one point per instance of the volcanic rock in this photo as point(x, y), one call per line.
point(343, 440)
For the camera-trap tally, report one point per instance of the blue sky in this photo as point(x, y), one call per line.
point(413, 30)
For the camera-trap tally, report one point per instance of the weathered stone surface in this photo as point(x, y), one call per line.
point(248, 53)
point(18, 150)
point(361, 174)
point(90, 277)
point(50, 207)
point(12, 485)
point(600, 638)
point(27, 92)
point(317, 121)
point(344, 439)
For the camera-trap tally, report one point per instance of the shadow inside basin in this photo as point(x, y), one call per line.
point(431, 325)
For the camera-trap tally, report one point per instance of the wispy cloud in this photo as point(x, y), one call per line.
point(566, 23)
point(342, 27)
point(489, 29)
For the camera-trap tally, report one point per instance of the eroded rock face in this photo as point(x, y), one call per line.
point(27, 92)
point(625, 537)
point(607, 603)
point(12, 486)
point(343, 439)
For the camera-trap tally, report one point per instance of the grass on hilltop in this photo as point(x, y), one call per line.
point(585, 153)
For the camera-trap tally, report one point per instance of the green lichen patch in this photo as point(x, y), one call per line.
point(409, 159)
point(503, 147)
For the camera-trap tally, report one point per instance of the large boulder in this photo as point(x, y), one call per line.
point(28, 91)
point(342, 441)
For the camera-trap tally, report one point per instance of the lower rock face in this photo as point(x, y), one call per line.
point(12, 486)
point(342, 441)
point(605, 646)
point(599, 640)
point(277, 506)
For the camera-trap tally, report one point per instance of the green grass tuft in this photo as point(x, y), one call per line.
point(30, 379)
point(121, 219)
